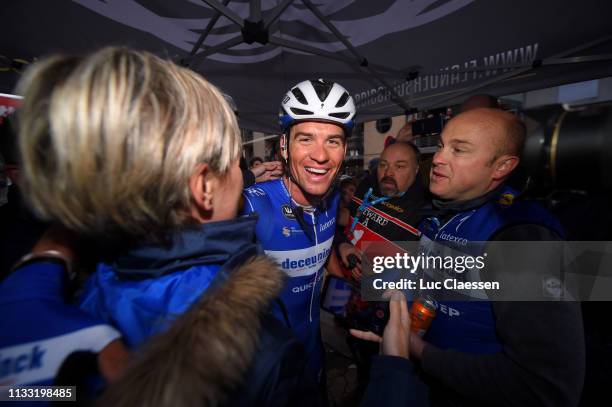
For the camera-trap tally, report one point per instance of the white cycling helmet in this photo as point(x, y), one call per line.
point(317, 100)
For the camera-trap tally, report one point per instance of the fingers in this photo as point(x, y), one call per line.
point(258, 171)
point(404, 311)
point(344, 250)
point(394, 295)
point(272, 165)
point(365, 335)
point(398, 308)
point(394, 312)
point(356, 273)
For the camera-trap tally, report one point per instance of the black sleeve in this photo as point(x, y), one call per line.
point(542, 361)
point(248, 178)
point(392, 383)
point(340, 237)
point(278, 376)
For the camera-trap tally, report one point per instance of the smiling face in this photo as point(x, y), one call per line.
point(316, 152)
point(471, 159)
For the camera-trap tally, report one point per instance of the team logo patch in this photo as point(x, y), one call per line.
point(288, 212)
point(289, 231)
point(506, 199)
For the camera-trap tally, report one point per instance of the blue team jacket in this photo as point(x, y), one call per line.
point(469, 326)
point(143, 291)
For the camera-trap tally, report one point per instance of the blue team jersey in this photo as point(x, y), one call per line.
point(300, 254)
point(39, 330)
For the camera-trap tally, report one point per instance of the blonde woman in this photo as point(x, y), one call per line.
point(141, 154)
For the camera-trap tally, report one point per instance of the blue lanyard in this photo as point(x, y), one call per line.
point(366, 203)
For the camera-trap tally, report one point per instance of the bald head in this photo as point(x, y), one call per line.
point(505, 130)
point(406, 149)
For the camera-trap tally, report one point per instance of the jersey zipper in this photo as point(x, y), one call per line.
point(314, 285)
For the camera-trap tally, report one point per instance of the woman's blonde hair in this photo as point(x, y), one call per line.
point(109, 141)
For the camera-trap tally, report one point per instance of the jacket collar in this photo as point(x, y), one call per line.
point(453, 207)
point(209, 244)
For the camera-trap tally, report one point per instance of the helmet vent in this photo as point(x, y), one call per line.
point(342, 115)
point(322, 87)
point(299, 96)
point(300, 112)
point(343, 99)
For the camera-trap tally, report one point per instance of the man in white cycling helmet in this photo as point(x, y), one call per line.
point(297, 213)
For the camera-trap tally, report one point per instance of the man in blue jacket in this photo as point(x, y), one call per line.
point(484, 352)
point(297, 214)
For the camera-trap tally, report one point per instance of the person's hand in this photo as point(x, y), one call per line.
point(59, 239)
point(396, 336)
point(345, 250)
point(268, 171)
point(113, 360)
point(417, 344)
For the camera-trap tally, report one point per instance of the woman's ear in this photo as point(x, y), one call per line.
point(201, 186)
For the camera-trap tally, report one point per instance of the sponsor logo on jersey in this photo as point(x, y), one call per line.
point(289, 231)
point(39, 361)
point(327, 224)
point(14, 364)
point(451, 238)
point(302, 288)
point(255, 192)
point(306, 287)
point(289, 264)
point(301, 262)
point(446, 309)
point(287, 212)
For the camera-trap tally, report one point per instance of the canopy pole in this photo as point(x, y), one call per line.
point(363, 62)
point(207, 30)
point(255, 10)
point(232, 42)
point(225, 11)
point(315, 51)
